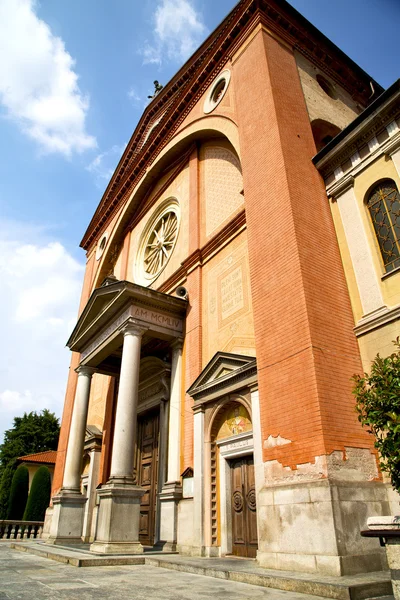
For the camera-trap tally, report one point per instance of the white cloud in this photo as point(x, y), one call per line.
point(40, 285)
point(104, 164)
point(134, 96)
point(178, 30)
point(38, 85)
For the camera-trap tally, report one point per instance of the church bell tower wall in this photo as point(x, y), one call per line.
point(306, 349)
point(334, 104)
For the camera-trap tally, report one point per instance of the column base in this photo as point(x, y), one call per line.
point(169, 498)
point(67, 518)
point(116, 548)
point(117, 529)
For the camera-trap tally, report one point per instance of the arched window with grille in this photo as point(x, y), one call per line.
point(383, 202)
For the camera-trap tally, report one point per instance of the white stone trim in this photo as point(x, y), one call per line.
point(360, 252)
point(377, 319)
point(373, 144)
point(392, 128)
point(338, 173)
point(236, 445)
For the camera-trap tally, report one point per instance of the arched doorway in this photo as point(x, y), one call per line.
point(233, 511)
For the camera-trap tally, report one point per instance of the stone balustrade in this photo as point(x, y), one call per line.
point(20, 530)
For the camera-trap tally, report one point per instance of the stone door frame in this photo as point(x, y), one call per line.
point(233, 447)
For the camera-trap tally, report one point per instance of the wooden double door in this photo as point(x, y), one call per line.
point(147, 473)
point(244, 510)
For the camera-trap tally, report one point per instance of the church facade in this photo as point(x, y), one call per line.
point(209, 406)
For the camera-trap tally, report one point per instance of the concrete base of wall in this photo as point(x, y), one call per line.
point(314, 527)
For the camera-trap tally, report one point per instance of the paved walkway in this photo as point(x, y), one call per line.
point(25, 577)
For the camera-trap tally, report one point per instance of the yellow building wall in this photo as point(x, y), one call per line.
point(347, 263)
point(379, 169)
point(378, 340)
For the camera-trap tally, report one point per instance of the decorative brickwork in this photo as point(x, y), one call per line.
point(223, 184)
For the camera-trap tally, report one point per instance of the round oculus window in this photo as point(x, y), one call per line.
point(158, 241)
point(326, 86)
point(101, 245)
point(217, 91)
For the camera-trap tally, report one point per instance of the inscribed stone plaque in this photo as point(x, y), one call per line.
point(232, 298)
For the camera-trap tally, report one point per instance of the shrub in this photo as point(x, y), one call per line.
point(18, 494)
point(39, 496)
point(378, 406)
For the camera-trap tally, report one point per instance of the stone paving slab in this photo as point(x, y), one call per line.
point(355, 587)
point(24, 576)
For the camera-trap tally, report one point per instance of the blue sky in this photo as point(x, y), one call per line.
point(74, 78)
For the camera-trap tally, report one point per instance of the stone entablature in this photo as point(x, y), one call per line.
point(110, 308)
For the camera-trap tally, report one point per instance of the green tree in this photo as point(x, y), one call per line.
point(39, 496)
point(378, 406)
point(34, 432)
point(18, 493)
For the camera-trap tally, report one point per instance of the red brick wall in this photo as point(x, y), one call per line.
point(192, 348)
point(71, 387)
point(306, 349)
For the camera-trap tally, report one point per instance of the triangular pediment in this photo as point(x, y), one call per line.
point(99, 304)
point(222, 368)
point(108, 302)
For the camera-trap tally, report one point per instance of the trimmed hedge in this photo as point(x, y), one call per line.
point(18, 494)
point(39, 496)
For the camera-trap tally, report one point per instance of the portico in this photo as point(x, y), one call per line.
point(120, 323)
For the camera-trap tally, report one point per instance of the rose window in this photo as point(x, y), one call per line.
point(158, 242)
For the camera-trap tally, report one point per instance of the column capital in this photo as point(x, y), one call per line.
point(132, 328)
point(87, 371)
point(177, 343)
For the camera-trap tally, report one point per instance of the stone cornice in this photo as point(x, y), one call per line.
point(340, 187)
point(178, 97)
point(375, 321)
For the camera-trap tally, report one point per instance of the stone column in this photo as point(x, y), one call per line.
point(172, 490)
point(76, 440)
point(126, 414)
point(68, 505)
point(119, 508)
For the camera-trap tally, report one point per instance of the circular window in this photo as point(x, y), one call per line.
point(326, 86)
point(217, 91)
point(158, 241)
point(101, 245)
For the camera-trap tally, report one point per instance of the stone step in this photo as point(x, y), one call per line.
point(354, 587)
point(76, 558)
point(365, 586)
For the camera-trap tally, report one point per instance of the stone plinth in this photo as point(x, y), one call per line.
point(67, 518)
point(118, 519)
point(315, 527)
point(169, 498)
